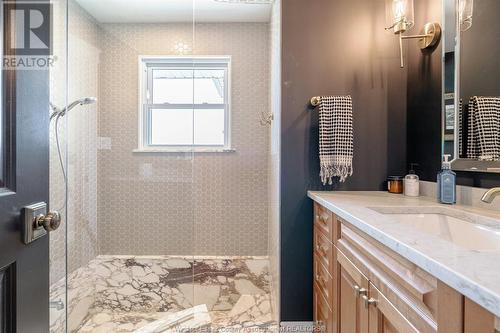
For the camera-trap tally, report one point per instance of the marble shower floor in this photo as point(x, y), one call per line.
point(130, 294)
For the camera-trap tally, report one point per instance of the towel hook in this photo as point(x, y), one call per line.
point(315, 100)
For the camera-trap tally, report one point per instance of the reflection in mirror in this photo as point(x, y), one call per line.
point(2, 106)
point(471, 90)
point(449, 79)
point(479, 89)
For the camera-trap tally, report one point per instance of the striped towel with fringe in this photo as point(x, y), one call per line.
point(484, 128)
point(336, 146)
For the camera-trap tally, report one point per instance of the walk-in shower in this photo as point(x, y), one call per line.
point(171, 210)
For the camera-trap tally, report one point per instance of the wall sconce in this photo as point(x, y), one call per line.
point(400, 18)
point(465, 11)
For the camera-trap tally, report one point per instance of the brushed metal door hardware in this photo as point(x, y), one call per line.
point(369, 301)
point(37, 223)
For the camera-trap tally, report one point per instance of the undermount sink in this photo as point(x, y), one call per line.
point(462, 229)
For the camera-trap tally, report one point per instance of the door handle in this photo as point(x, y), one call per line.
point(37, 222)
point(49, 222)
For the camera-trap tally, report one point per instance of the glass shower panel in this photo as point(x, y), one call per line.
point(232, 196)
point(57, 199)
point(130, 199)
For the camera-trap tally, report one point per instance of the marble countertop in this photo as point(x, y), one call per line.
point(475, 274)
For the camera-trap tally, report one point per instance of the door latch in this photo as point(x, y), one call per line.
point(37, 223)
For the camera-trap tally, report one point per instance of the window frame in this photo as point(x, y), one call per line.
point(149, 63)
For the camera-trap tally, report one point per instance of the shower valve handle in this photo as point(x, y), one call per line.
point(49, 222)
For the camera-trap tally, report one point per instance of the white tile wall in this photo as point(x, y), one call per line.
point(78, 135)
point(204, 204)
point(58, 97)
point(274, 159)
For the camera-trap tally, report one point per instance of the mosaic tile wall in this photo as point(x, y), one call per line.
point(78, 136)
point(57, 97)
point(178, 204)
point(274, 159)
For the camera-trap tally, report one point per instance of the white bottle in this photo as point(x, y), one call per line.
point(412, 183)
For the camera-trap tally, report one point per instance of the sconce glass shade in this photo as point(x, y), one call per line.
point(465, 11)
point(399, 15)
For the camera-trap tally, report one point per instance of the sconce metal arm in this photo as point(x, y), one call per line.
point(428, 37)
point(416, 36)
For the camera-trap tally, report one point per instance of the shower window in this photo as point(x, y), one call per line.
point(184, 104)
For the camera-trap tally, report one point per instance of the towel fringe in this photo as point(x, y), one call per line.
point(337, 166)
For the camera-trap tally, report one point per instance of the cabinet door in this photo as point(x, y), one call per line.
point(383, 316)
point(323, 315)
point(353, 285)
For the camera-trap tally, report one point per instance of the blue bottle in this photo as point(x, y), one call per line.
point(447, 183)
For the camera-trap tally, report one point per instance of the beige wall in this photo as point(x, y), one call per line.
point(203, 204)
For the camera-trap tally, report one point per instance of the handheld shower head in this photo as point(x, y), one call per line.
point(87, 100)
point(82, 101)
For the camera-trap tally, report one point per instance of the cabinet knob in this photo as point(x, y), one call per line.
point(319, 325)
point(358, 291)
point(321, 218)
point(369, 301)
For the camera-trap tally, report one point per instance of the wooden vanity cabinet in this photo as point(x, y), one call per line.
point(361, 286)
point(352, 286)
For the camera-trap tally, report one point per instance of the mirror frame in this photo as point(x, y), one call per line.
point(457, 163)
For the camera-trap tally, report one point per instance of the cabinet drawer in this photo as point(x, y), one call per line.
point(323, 220)
point(323, 315)
point(323, 280)
point(399, 283)
point(324, 250)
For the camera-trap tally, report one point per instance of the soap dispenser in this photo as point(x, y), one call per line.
point(446, 182)
point(412, 182)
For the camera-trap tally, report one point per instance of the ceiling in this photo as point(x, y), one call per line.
point(162, 11)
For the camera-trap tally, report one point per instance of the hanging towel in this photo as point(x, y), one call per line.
point(484, 128)
point(335, 138)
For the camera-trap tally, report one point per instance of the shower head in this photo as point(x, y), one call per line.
point(62, 112)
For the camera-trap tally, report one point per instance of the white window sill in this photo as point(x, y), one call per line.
point(174, 151)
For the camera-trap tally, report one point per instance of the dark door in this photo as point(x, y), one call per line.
point(24, 157)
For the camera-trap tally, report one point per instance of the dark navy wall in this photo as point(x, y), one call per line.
point(425, 96)
point(333, 47)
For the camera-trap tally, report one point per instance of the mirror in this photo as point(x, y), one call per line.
point(471, 90)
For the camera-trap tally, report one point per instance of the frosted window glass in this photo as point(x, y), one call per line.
point(177, 86)
point(171, 127)
point(209, 127)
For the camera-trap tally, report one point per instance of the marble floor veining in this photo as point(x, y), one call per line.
point(145, 294)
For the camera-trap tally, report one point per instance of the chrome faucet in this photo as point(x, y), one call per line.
point(490, 195)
